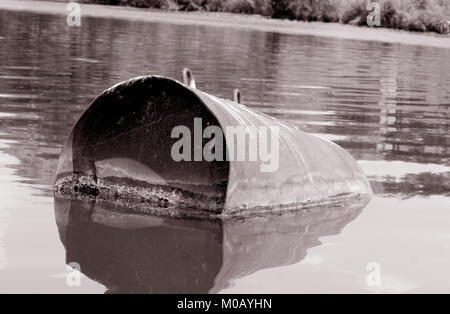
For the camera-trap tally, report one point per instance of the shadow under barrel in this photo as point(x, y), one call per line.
point(129, 253)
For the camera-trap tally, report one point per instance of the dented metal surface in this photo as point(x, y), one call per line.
point(120, 151)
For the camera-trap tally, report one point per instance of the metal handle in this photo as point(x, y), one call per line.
point(188, 78)
point(237, 96)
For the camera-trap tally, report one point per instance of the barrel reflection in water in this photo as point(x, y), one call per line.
point(128, 253)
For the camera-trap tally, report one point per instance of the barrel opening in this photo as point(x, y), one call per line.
point(121, 149)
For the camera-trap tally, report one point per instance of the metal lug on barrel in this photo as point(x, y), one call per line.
point(237, 96)
point(188, 78)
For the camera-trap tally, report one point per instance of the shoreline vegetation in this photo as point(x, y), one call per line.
point(237, 21)
point(409, 15)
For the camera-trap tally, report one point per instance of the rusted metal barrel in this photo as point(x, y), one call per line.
point(121, 151)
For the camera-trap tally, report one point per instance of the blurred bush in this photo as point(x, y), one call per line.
point(412, 15)
point(305, 10)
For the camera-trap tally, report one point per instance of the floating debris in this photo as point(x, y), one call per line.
point(121, 150)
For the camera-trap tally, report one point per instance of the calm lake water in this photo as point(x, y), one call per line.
point(387, 104)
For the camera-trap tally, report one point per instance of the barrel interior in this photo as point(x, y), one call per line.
point(121, 149)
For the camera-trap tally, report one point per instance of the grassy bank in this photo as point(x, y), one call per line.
point(412, 15)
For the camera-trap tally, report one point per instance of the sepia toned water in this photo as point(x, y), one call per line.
point(387, 104)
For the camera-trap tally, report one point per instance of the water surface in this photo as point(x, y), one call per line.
point(387, 104)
